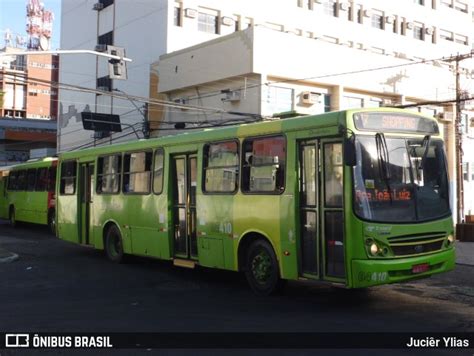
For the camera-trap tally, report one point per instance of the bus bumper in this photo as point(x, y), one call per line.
point(366, 273)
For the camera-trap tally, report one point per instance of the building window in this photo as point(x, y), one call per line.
point(419, 2)
point(177, 17)
point(360, 13)
point(263, 170)
point(446, 35)
point(448, 3)
point(418, 32)
point(221, 167)
point(465, 171)
point(460, 6)
point(330, 8)
point(208, 22)
point(137, 172)
point(106, 38)
point(461, 39)
point(377, 20)
point(279, 99)
point(108, 174)
point(104, 83)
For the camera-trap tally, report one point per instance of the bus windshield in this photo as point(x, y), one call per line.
point(400, 179)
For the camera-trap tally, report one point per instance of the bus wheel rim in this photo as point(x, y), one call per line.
point(262, 267)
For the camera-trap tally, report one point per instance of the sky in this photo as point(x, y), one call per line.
point(13, 17)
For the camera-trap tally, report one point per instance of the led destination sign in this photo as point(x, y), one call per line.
point(394, 122)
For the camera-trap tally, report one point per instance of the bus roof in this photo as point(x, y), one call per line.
point(326, 120)
point(34, 163)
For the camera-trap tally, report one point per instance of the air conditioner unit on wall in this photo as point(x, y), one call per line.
point(344, 6)
point(445, 117)
point(309, 98)
point(232, 96)
point(98, 6)
point(191, 13)
point(367, 13)
point(227, 21)
point(429, 30)
point(182, 101)
point(389, 19)
point(409, 25)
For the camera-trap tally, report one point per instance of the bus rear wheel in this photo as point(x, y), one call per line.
point(12, 217)
point(114, 245)
point(262, 270)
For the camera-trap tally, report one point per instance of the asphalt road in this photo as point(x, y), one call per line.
point(57, 286)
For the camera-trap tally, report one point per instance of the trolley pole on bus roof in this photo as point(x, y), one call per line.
point(458, 136)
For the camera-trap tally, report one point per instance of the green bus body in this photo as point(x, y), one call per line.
point(311, 240)
point(30, 198)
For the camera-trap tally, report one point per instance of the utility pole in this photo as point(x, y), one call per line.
point(458, 135)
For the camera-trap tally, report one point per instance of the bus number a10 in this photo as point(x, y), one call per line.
point(225, 228)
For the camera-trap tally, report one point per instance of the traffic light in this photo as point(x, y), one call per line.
point(117, 67)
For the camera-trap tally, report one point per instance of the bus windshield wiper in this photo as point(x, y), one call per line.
point(426, 146)
point(383, 160)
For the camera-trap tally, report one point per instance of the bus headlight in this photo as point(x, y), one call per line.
point(450, 239)
point(374, 249)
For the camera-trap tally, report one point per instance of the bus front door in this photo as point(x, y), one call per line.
point(184, 184)
point(321, 210)
point(86, 190)
point(332, 213)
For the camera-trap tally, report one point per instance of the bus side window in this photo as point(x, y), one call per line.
point(22, 180)
point(137, 172)
point(42, 179)
point(31, 180)
point(108, 174)
point(158, 169)
point(264, 167)
point(68, 178)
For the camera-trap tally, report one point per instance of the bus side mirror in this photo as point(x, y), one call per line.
point(349, 151)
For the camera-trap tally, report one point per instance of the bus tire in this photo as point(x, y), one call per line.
point(52, 221)
point(114, 245)
point(261, 269)
point(11, 217)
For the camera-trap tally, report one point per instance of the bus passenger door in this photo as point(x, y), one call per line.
point(184, 184)
point(86, 190)
point(332, 214)
point(309, 208)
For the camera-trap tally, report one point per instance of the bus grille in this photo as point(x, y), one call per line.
point(416, 244)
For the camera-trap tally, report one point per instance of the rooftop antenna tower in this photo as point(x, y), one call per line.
point(39, 26)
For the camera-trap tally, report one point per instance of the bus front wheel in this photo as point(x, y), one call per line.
point(114, 245)
point(261, 269)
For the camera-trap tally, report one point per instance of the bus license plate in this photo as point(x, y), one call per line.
point(420, 268)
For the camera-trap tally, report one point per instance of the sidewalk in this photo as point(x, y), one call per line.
point(464, 253)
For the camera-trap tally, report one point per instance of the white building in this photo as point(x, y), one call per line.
point(282, 63)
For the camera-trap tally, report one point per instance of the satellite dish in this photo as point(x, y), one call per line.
point(44, 43)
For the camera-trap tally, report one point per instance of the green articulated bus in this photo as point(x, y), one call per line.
point(28, 192)
point(357, 198)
